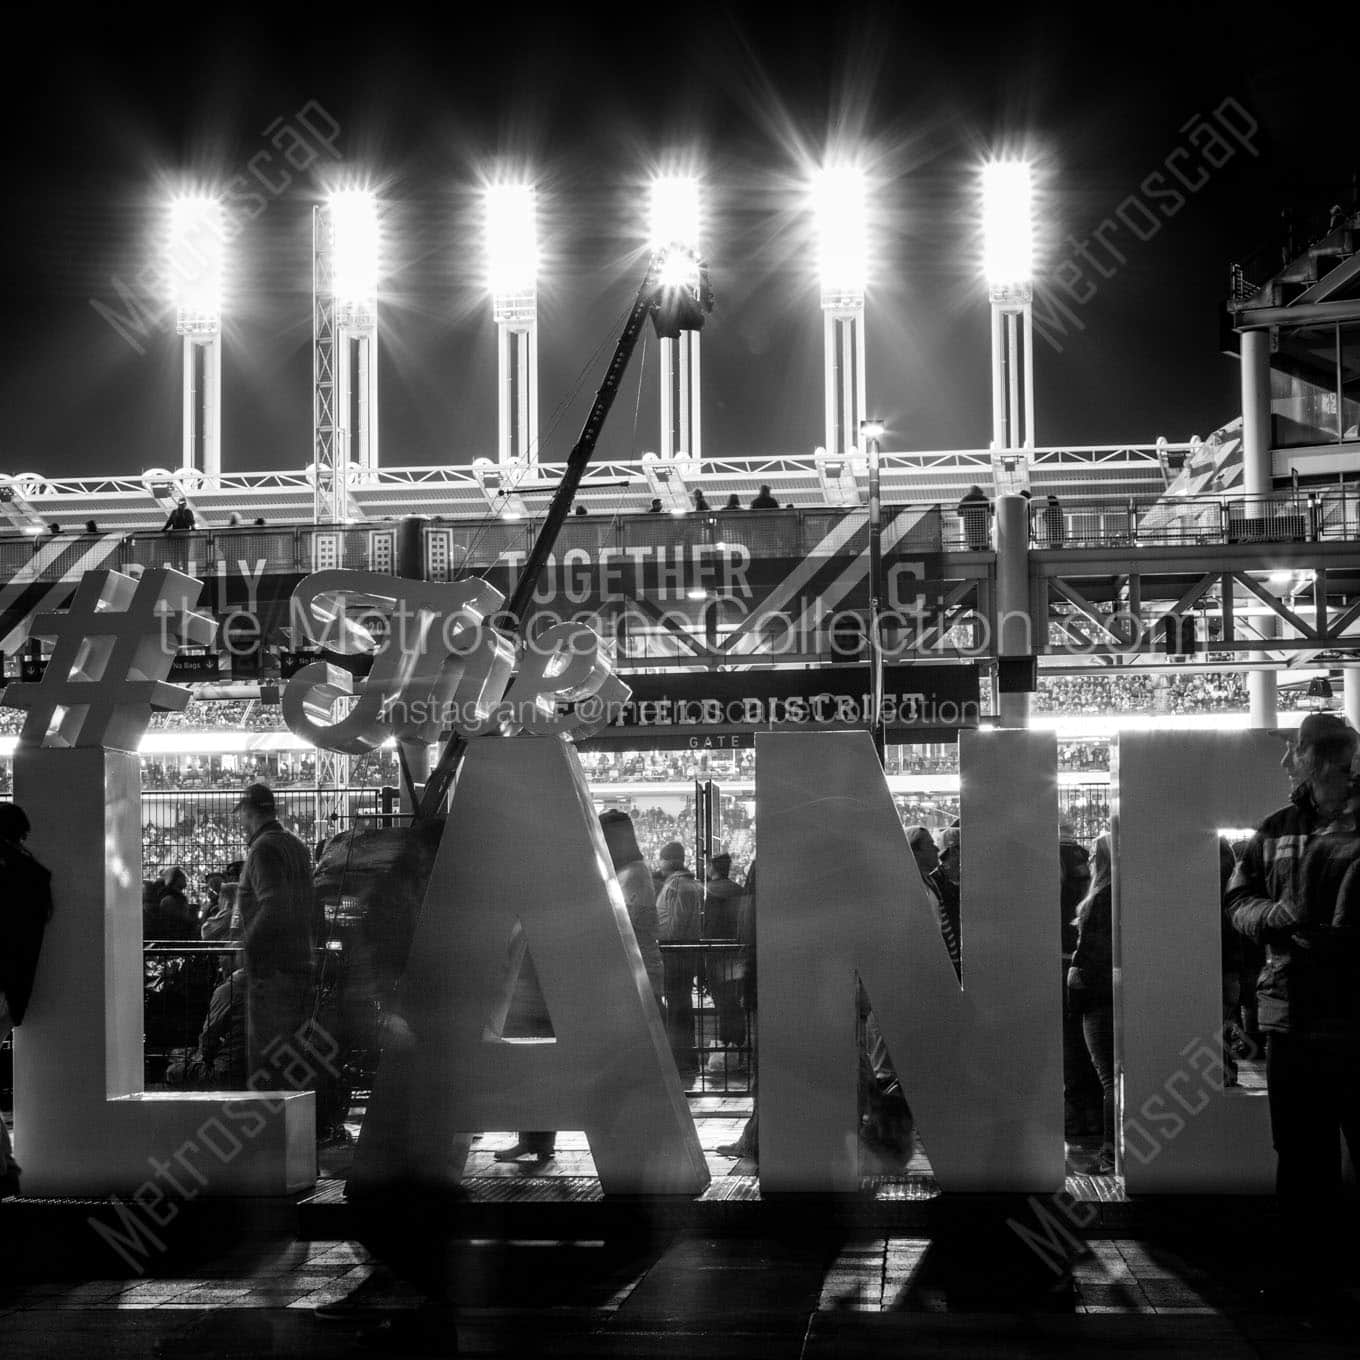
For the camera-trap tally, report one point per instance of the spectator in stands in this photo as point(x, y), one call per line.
point(1305, 1000)
point(701, 505)
point(679, 914)
point(234, 519)
point(278, 925)
point(219, 1063)
point(655, 507)
point(733, 503)
point(181, 517)
point(975, 511)
point(1090, 985)
point(166, 914)
point(91, 527)
point(580, 510)
point(763, 499)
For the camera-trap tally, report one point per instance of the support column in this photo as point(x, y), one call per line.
point(1258, 480)
point(1015, 632)
point(1350, 695)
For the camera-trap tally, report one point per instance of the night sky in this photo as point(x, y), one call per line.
point(118, 110)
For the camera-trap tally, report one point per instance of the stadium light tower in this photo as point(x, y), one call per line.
point(673, 231)
point(512, 253)
point(344, 345)
point(196, 250)
point(839, 195)
point(1008, 262)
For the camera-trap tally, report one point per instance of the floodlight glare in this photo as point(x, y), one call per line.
point(511, 238)
point(871, 429)
point(673, 219)
point(196, 241)
point(839, 196)
point(1007, 226)
point(354, 220)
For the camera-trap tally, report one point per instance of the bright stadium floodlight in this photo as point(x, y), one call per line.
point(673, 231)
point(839, 194)
point(512, 267)
point(345, 267)
point(1008, 264)
point(196, 248)
point(1007, 224)
point(673, 213)
point(840, 198)
point(196, 252)
point(511, 240)
point(354, 215)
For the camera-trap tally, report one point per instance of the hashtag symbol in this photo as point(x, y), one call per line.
point(112, 650)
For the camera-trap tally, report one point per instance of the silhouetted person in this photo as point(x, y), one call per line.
point(763, 500)
point(655, 507)
point(91, 527)
point(975, 510)
point(700, 504)
point(181, 517)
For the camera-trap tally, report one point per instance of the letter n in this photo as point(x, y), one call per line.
point(523, 846)
point(840, 896)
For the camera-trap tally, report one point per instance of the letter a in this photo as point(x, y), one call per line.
point(522, 844)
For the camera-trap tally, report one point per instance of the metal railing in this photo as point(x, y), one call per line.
point(1305, 516)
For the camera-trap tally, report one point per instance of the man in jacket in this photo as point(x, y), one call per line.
point(1305, 1002)
point(278, 924)
point(726, 972)
point(25, 905)
point(679, 910)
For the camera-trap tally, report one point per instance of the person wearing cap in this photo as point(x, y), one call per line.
point(1312, 1048)
point(679, 914)
point(726, 973)
point(277, 907)
point(945, 881)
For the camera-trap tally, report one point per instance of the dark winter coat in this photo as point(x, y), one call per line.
point(25, 906)
point(1286, 897)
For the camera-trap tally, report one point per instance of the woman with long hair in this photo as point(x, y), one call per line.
point(1090, 990)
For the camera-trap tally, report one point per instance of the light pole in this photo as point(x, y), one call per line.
point(196, 251)
point(673, 233)
point(1008, 262)
point(871, 431)
point(512, 249)
point(840, 196)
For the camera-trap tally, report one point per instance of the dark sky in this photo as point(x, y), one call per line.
point(591, 98)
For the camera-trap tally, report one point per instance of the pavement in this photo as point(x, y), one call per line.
point(541, 1265)
point(683, 1296)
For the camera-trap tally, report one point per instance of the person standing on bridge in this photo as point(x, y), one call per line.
point(181, 517)
point(975, 512)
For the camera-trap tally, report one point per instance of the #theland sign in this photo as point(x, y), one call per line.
point(840, 900)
